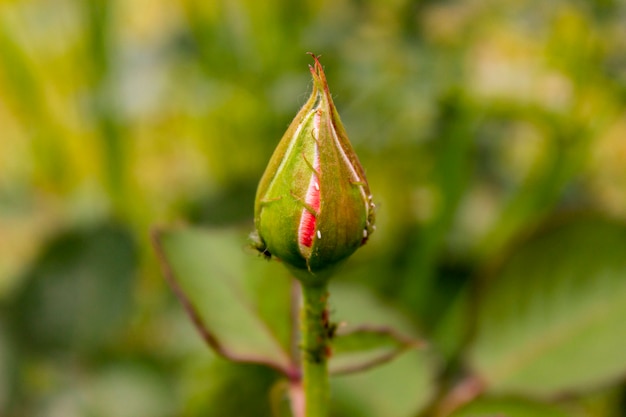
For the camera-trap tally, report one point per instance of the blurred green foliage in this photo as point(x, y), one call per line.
point(480, 124)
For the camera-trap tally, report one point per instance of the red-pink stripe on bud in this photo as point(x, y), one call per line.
point(306, 230)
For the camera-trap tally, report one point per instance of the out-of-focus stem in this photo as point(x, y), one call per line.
point(296, 399)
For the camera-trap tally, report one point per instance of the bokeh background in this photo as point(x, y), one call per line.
point(478, 122)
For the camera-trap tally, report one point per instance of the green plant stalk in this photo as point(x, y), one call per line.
point(314, 319)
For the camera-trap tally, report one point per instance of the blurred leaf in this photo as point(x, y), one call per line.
point(553, 320)
point(608, 401)
point(220, 388)
point(566, 144)
point(451, 333)
point(104, 107)
point(400, 388)
point(79, 292)
point(365, 348)
point(7, 365)
point(354, 305)
point(120, 389)
point(454, 131)
point(224, 207)
point(373, 333)
point(242, 305)
point(240, 310)
point(509, 407)
point(24, 90)
point(369, 332)
point(280, 401)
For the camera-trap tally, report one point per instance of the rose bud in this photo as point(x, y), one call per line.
point(313, 205)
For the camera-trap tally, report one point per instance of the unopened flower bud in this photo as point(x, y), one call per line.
point(313, 205)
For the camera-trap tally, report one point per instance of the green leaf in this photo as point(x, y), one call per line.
point(239, 303)
point(78, 295)
point(219, 388)
point(369, 332)
point(363, 349)
point(7, 368)
point(509, 407)
point(400, 388)
point(553, 319)
point(115, 388)
point(373, 337)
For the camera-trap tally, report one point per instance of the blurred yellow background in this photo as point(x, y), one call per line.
point(477, 121)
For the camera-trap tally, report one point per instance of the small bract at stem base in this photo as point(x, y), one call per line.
point(314, 319)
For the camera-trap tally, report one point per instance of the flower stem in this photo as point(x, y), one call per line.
point(314, 319)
